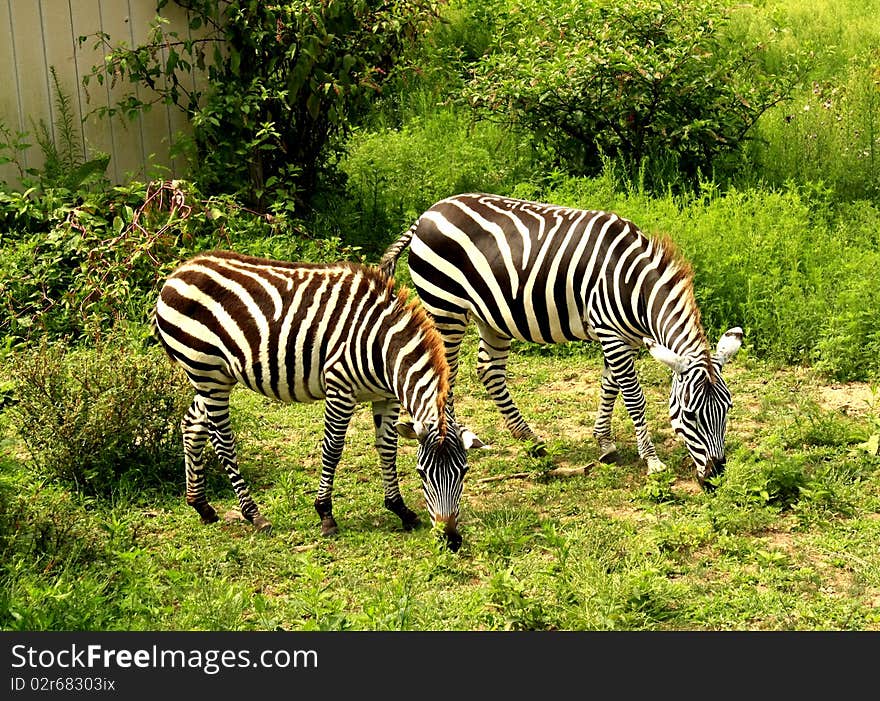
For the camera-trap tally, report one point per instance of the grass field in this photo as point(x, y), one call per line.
point(788, 541)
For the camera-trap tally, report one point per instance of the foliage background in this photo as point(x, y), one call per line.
point(779, 221)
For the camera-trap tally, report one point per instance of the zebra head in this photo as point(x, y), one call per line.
point(442, 464)
point(699, 402)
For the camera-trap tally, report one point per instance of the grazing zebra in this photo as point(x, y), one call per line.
point(300, 332)
point(547, 274)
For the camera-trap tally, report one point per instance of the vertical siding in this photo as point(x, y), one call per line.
point(98, 133)
point(36, 35)
point(10, 116)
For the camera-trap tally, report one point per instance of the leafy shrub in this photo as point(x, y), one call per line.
point(394, 175)
point(85, 265)
point(47, 541)
point(284, 81)
point(100, 419)
point(75, 267)
point(638, 81)
point(40, 520)
point(849, 346)
point(829, 133)
point(768, 480)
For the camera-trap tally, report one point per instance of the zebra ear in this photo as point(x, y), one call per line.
point(729, 344)
point(676, 362)
point(409, 429)
point(471, 440)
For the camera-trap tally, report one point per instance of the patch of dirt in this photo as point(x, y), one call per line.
point(852, 398)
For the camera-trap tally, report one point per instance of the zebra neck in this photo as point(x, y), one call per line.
point(694, 349)
point(671, 313)
point(685, 337)
point(417, 388)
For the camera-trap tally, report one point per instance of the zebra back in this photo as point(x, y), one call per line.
point(287, 329)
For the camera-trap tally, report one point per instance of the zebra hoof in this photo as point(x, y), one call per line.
point(453, 542)
point(408, 517)
point(655, 465)
point(609, 457)
point(207, 513)
point(328, 526)
point(262, 524)
point(410, 523)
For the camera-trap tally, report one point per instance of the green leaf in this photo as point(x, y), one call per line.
point(313, 105)
point(171, 63)
point(87, 170)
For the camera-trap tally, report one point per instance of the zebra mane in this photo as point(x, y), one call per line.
point(408, 305)
point(673, 260)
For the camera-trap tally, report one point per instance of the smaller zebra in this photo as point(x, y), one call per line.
point(302, 332)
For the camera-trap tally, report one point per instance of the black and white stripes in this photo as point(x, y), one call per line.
point(547, 274)
point(299, 332)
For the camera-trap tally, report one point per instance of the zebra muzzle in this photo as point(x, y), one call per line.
point(447, 528)
point(714, 468)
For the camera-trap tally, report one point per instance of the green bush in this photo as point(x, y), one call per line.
point(773, 480)
point(829, 132)
point(394, 175)
point(100, 420)
point(640, 82)
point(75, 265)
point(284, 82)
point(42, 520)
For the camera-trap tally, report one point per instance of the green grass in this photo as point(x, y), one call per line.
point(787, 542)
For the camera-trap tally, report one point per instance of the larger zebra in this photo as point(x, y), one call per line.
point(547, 274)
point(299, 332)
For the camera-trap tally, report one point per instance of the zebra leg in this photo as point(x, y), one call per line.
point(385, 414)
point(194, 427)
point(492, 371)
point(602, 427)
point(452, 328)
point(223, 440)
point(338, 410)
point(621, 360)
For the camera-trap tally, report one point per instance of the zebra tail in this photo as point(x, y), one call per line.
point(389, 259)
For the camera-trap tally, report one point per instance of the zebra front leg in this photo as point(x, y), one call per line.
point(452, 328)
point(385, 414)
point(602, 427)
point(338, 410)
point(492, 371)
point(223, 440)
point(194, 427)
point(620, 359)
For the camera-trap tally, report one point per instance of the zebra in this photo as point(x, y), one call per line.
point(544, 273)
point(303, 332)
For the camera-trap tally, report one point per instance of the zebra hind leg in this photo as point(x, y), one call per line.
point(194, 427)
point(385, 414)
point(223, 441)
point(492, 371)
point(602, 426)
